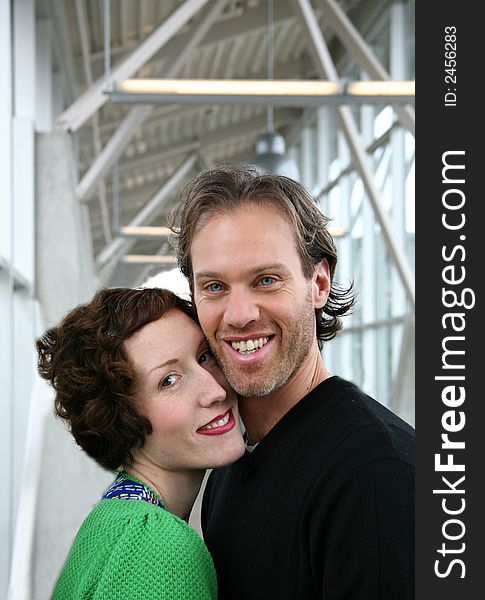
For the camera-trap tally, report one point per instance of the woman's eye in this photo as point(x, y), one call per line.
point(205, 356)
point(265, 281)
point(168, 381)
point(214, 287)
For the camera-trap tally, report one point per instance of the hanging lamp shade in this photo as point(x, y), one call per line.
point(270, 147)
point(270, 156)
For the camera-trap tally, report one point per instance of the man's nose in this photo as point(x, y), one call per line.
point(240, 310)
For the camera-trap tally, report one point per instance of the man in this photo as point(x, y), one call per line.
point(322, 504)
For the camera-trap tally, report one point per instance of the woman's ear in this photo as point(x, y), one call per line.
point(321, 283)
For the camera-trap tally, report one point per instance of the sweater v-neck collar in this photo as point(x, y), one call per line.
point(294, 423)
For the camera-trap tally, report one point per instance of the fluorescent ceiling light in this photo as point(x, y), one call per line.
point(148, 259)
point(337, 232)
point(145, 231)
point(247, 87)
point(381, 88)
point(260, 91)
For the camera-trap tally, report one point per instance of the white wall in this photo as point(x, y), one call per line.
point(44, 256)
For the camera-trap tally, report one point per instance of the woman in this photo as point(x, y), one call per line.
point(142, 394)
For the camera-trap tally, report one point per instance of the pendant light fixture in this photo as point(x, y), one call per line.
point(270, 146)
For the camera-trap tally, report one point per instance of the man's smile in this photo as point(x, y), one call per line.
point(249, 346)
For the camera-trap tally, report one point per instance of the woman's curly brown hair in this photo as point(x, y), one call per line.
point(85, 361)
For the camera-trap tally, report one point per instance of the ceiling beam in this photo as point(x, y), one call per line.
point(89, 102)
point(251, 20)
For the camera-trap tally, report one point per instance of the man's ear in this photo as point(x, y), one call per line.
point(321, 283)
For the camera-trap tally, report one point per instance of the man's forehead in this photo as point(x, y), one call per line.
point(252, 239)
point(236, 211)
point(248, 224)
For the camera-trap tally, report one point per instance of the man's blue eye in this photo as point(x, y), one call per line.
point(214, 287)
point(266, 281)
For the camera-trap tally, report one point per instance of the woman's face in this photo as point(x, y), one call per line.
point(184, 395)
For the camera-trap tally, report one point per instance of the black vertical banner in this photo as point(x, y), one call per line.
point(450, 342)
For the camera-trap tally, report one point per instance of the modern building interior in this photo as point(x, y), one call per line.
point(107, 109)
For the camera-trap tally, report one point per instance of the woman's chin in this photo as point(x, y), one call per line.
point(231, 454)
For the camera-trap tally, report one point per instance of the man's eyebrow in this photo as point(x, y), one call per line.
point(255, 271)
point(206, 275)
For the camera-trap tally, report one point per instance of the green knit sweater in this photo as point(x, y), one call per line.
point(131, 549)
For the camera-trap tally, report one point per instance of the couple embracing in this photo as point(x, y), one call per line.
point(312, 490)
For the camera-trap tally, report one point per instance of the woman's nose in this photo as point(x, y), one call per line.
point(210, 390)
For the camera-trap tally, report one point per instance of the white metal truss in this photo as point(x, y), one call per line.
point(89, 102)
point(147, 213)
point(360, 50)
point(326, 69)
point(137, 116)
point(112, 150)
point(401, 372)
point(83, 34)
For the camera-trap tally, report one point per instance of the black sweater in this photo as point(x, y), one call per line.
point(322, 508)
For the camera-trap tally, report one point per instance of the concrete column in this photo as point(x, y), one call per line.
point(64, 268)
point(70, 484)
point(43, 79)
point(65, 277)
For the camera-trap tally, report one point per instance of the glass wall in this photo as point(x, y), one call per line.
point(376, 347)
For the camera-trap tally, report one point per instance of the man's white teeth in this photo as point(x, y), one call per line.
point(245, 347)
point(220, 423)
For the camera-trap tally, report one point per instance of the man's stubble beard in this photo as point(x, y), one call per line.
point(288, 361)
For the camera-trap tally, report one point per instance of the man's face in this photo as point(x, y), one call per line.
point(254, 304)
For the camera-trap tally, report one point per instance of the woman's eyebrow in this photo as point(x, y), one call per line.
point(167, 363)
